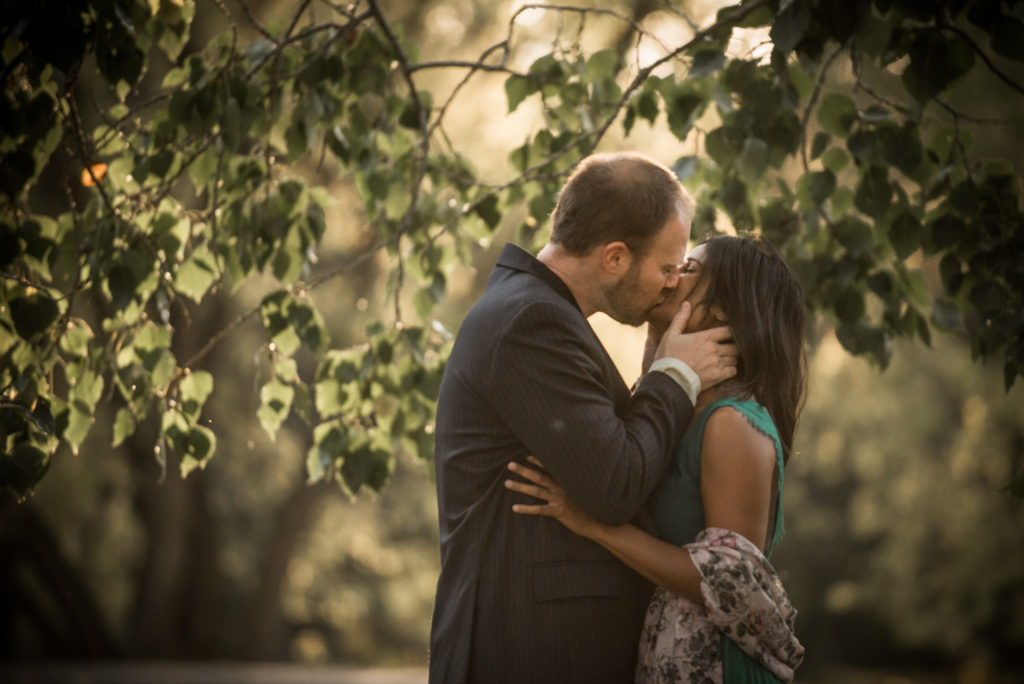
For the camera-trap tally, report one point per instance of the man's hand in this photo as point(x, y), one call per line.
point(710, 353)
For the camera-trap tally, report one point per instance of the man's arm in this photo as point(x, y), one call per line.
point(552, 394)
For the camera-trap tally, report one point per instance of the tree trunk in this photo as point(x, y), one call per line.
point(263, 628)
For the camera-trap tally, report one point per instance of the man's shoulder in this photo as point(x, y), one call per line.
point(518, 292)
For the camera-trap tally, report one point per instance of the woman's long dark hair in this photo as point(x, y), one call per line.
point(764, 304)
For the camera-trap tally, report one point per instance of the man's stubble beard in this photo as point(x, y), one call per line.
point(621, 300)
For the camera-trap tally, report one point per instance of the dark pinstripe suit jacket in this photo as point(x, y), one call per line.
point(520, 599)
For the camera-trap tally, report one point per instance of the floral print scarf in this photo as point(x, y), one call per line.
point(743, 599)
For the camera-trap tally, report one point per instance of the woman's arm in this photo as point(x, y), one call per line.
point(662, 563)
point(737, 465)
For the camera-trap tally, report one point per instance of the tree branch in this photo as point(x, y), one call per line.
point(252, 20)
point(598, 133)
point(462, 64)
point(813, 100)
point(422, 117)
point(985, 58)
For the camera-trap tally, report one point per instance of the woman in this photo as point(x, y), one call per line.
point(719, 612)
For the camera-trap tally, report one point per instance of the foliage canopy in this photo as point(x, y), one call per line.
point(201, 174)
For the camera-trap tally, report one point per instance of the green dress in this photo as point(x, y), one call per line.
point(678, 511)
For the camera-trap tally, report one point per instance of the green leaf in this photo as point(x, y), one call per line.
point(836, 114)
point(820, 185)
point(820, 144)
point(124, 426)
point(292, 322)
point(905, 234)
point(647, 105)
point(706, 62)
point(286, 369)
point(196, 449)
point(191, 444)
point(835, 159)
point(87, 390)
point(297, 139)
point(76, 338)
point(914, 286)
point(735, 200)
point(603, 64)
point(195, 387)
point(172, 24)
point(883, 284)
point(951, 273)
point(724, 144)
point(330, 441)
point(901, 147)
point(874, 192)
point(683, 109)
point(122, 282)
point(779, 222)
point(330, 397)
point(548, 66)
point(517, 88)
point(33, 315)
point(849, 306)
point(685, 167)
point(790, 26)
point(936, 61)
point(704, 219)
point(10, 246)
point(858, 337)
point(38, 235)
point(753, 159)
point(150, 350)
point(78, 424)
point(197, 274)
point(863, 144)
point(946, 232)
point(22, 467)
point(275, 405)
point(487, 209)
point(367, 466)
point(855, 235)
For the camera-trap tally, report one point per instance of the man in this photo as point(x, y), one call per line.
point(525, 601)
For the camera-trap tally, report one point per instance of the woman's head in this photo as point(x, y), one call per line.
point(743, 282)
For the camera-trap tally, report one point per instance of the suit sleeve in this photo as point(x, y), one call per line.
point(551, 394)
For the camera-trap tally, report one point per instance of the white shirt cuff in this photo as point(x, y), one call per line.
point(681, 373)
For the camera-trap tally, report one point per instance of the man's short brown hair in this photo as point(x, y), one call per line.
point(610, 197)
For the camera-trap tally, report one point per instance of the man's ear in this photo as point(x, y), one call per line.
point(616, 258)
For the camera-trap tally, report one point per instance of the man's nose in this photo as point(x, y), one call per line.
point(672, 280)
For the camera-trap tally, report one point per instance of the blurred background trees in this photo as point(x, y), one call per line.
point(249, 229)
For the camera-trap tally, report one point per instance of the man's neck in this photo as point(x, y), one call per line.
point(577, 273)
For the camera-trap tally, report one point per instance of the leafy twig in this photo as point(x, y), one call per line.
point(985, 58)
point(811, 102)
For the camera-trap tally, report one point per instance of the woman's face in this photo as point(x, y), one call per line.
point(691, 288)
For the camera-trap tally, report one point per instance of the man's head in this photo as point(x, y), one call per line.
point(629, 216)
point(625, 197)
